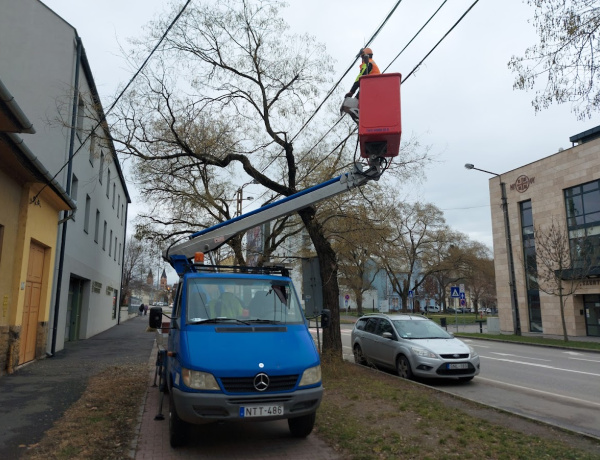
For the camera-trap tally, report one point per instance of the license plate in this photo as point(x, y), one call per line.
point(458, 366)
point(261, 411)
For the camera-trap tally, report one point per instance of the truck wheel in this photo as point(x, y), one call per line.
point(178, 429)
point(301, 427)
point(403, 367)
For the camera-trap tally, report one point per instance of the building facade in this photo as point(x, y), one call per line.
point(560, 190)
point(43, 62)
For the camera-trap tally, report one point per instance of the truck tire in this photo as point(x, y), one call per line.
point(302, 426)
point(178, 429)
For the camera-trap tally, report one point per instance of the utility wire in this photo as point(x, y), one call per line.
point(441, 39)
point(132, 79)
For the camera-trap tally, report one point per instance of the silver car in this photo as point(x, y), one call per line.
point(414, 346)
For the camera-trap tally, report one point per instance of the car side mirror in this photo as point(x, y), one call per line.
point(155, 318)
point(388, 335)
point(325, 318)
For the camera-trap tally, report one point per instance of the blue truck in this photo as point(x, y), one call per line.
point(239, 348)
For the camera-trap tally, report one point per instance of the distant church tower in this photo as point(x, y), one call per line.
point(150, 279)
point(163, 280)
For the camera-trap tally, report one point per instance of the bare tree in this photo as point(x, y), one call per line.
point(227, 90)
point(565, 55)
point(559, 264)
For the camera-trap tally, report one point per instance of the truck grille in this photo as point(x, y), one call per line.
point(246, 384)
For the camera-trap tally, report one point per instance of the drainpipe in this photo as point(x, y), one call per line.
point(61, 260)
point(122, 264)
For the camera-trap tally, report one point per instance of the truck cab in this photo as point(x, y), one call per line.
point(239, 350)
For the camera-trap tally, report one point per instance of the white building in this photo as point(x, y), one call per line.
point(43, 62)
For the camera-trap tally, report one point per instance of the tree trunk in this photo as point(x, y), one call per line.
point(562, 312)
point(332, 338)
point(359, 303)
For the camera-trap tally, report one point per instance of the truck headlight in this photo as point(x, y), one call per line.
point(310, 376)
point(198, 380)
point(423, 352)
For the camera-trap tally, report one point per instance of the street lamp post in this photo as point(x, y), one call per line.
point(240, 197)
point(511, 265)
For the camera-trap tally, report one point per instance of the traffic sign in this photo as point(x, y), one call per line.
point(454, 292)
point(462, 296)
point(461, 287)
point(410, 294)
point(462, 302)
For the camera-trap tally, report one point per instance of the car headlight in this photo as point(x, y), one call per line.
point(474, 354)
point(423, 352)
point(310, 376)
point(198, 380)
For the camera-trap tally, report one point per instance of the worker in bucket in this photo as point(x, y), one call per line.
point(367, 67)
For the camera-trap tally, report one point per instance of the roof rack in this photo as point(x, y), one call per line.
point(270, 270)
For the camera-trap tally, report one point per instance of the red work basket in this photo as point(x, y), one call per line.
point(379, 123)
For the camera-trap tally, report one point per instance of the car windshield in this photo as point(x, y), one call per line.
point(237, 300)
point(419, 329)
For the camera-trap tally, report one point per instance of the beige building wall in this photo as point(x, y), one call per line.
point(543, 182)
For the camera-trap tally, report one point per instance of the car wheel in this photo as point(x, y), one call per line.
point(403, 367)
point(358, 355)
point(178, 429)
point(301, 427)
point(465, 379)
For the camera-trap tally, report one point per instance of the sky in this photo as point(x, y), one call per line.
point(460, 102)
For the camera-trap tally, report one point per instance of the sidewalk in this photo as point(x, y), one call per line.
point(38, 394)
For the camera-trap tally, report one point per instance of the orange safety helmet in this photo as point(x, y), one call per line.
point(366, 51)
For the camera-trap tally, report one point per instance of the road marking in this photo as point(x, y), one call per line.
point(524, 357)
point(559, 396)
point(541, 365)
point(583, 359)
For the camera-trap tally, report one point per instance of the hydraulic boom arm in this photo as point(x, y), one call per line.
point(213, 237)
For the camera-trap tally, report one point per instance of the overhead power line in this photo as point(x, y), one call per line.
point(131, 80)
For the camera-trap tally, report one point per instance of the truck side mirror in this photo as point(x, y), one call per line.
point(155, 317)
point(325, 318)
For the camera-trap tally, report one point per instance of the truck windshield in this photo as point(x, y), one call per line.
point(247, 300)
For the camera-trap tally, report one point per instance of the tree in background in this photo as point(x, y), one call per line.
point(135, 268)
point(479, 274)
point(566, 55)
point(230, 90)
point(559, 264)
point(407, 245)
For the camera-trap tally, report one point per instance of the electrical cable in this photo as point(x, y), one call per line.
point(131, 80)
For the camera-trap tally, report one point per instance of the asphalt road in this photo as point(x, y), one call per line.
point(556, 386)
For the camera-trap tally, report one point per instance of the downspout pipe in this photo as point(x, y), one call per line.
point(123, 264)
point(61, 260)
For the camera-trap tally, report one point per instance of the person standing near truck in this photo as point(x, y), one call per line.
point(367, 67)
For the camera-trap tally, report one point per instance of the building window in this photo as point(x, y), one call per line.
point(80, 116)
point(104, 238)
point(101, 170)
point(107, 182)
point(122, 215)
point(114, 192)
point(97, 229)
point(529, 257)
point(118, 206)
point(86, 222)
point(115, 254)
point(74, 189)
point(120, 248)
point(110, 245)
point(583, 221)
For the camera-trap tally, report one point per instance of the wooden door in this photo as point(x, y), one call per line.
point(31, 308)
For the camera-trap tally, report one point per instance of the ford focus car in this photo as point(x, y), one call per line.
point(413, 346)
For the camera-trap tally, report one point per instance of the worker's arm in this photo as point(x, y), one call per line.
point(365, 69)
